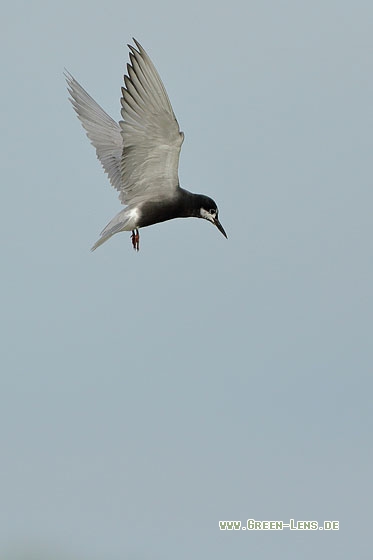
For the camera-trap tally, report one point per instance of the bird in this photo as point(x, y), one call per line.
point(140, 154)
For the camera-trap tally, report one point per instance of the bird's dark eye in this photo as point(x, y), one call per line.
point(213, 211)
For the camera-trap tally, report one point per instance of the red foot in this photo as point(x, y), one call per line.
point(135, 238)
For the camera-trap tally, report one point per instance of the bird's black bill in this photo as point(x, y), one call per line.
point(220, 227)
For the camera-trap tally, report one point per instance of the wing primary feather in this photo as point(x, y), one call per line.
point(141, 153)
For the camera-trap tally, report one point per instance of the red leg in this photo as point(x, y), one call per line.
point(135, 237)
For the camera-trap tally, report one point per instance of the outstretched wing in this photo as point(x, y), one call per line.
point(151, 136)
point(103, 132)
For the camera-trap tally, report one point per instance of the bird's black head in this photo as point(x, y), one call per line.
point(209, 211)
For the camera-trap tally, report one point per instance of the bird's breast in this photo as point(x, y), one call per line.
point(154, 212)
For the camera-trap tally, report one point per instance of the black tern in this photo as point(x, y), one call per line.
point(140, 154)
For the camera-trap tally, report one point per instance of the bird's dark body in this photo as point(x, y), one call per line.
point(183, 205)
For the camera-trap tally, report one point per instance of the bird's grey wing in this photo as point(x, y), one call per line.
point(103, 132)
point(151, 136)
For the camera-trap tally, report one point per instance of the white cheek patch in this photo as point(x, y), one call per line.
point(206, 215)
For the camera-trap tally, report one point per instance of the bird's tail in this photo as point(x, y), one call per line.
point(121, 222)
point(104, 238)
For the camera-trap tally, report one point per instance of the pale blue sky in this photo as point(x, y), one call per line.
point(144, 397)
